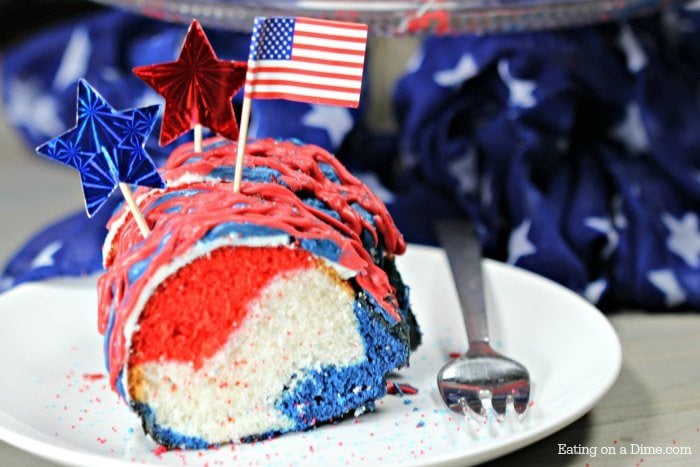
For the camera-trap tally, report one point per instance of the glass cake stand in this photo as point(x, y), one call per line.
point(401, 17)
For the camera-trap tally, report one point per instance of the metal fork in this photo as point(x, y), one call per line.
point(481, 372)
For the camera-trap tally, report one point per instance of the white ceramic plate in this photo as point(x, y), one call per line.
point(56, 403)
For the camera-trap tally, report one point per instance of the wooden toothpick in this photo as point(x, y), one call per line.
point(135, 211)
point(242, 137)
point(198, 138)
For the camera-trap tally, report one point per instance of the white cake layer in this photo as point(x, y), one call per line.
point(302, 319)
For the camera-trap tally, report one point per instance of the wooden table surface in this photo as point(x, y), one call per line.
point(655, 402)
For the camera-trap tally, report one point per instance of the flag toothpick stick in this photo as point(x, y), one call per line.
point(134, 208)
point(198, 138)
point(242, 137)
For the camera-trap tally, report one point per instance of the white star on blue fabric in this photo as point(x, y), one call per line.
point(594, 290)
point(666, 282)
point(605, 226)
point(522, 91)
point(26, 106)
point(463, 170)
point(684, 237)
point(106, 146)
point(45, 258)
point(465, 69)
point(630, 131)
point(336, 121)
point(636, 58)
point(74, 62)
point(518, 243)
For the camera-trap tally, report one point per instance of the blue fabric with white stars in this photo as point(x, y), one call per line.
point(576, 152)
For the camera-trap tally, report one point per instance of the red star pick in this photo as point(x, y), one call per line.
point(198, 88)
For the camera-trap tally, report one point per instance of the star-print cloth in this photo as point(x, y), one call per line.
point(576, 152)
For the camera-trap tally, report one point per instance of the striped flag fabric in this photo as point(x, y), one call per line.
point(307, 60)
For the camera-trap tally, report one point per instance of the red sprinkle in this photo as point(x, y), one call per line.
point(400, 389)
point(160, 450)
point(93, 376)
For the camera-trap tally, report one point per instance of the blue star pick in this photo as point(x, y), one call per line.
point(106, 146)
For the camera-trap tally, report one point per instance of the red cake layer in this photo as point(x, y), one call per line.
point(193, 312)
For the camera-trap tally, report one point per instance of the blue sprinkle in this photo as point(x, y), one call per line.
point(420, 424)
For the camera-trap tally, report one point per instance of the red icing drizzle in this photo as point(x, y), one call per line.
point(173, 234)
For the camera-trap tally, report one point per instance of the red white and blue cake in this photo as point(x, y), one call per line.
point(246, 315)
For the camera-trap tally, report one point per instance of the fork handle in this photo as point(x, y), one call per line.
point(461, 243)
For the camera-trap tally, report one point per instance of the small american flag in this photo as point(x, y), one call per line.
point(307, 60)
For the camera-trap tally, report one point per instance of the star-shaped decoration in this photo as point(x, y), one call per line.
point(465, 69)
point(684, 237)
point(464, 171)
point(631, 132)
point(605, 226)
point(522, 91)
point(74, 62)
point(337, 121)
point(636, 57)
point(198, 88)
point(106, 146)
point(518, 243)
point(665, 280)
point(45, 257)
point(27, 106)
point(594, 290)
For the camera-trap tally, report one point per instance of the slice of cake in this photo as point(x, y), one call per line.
point(246, 315)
